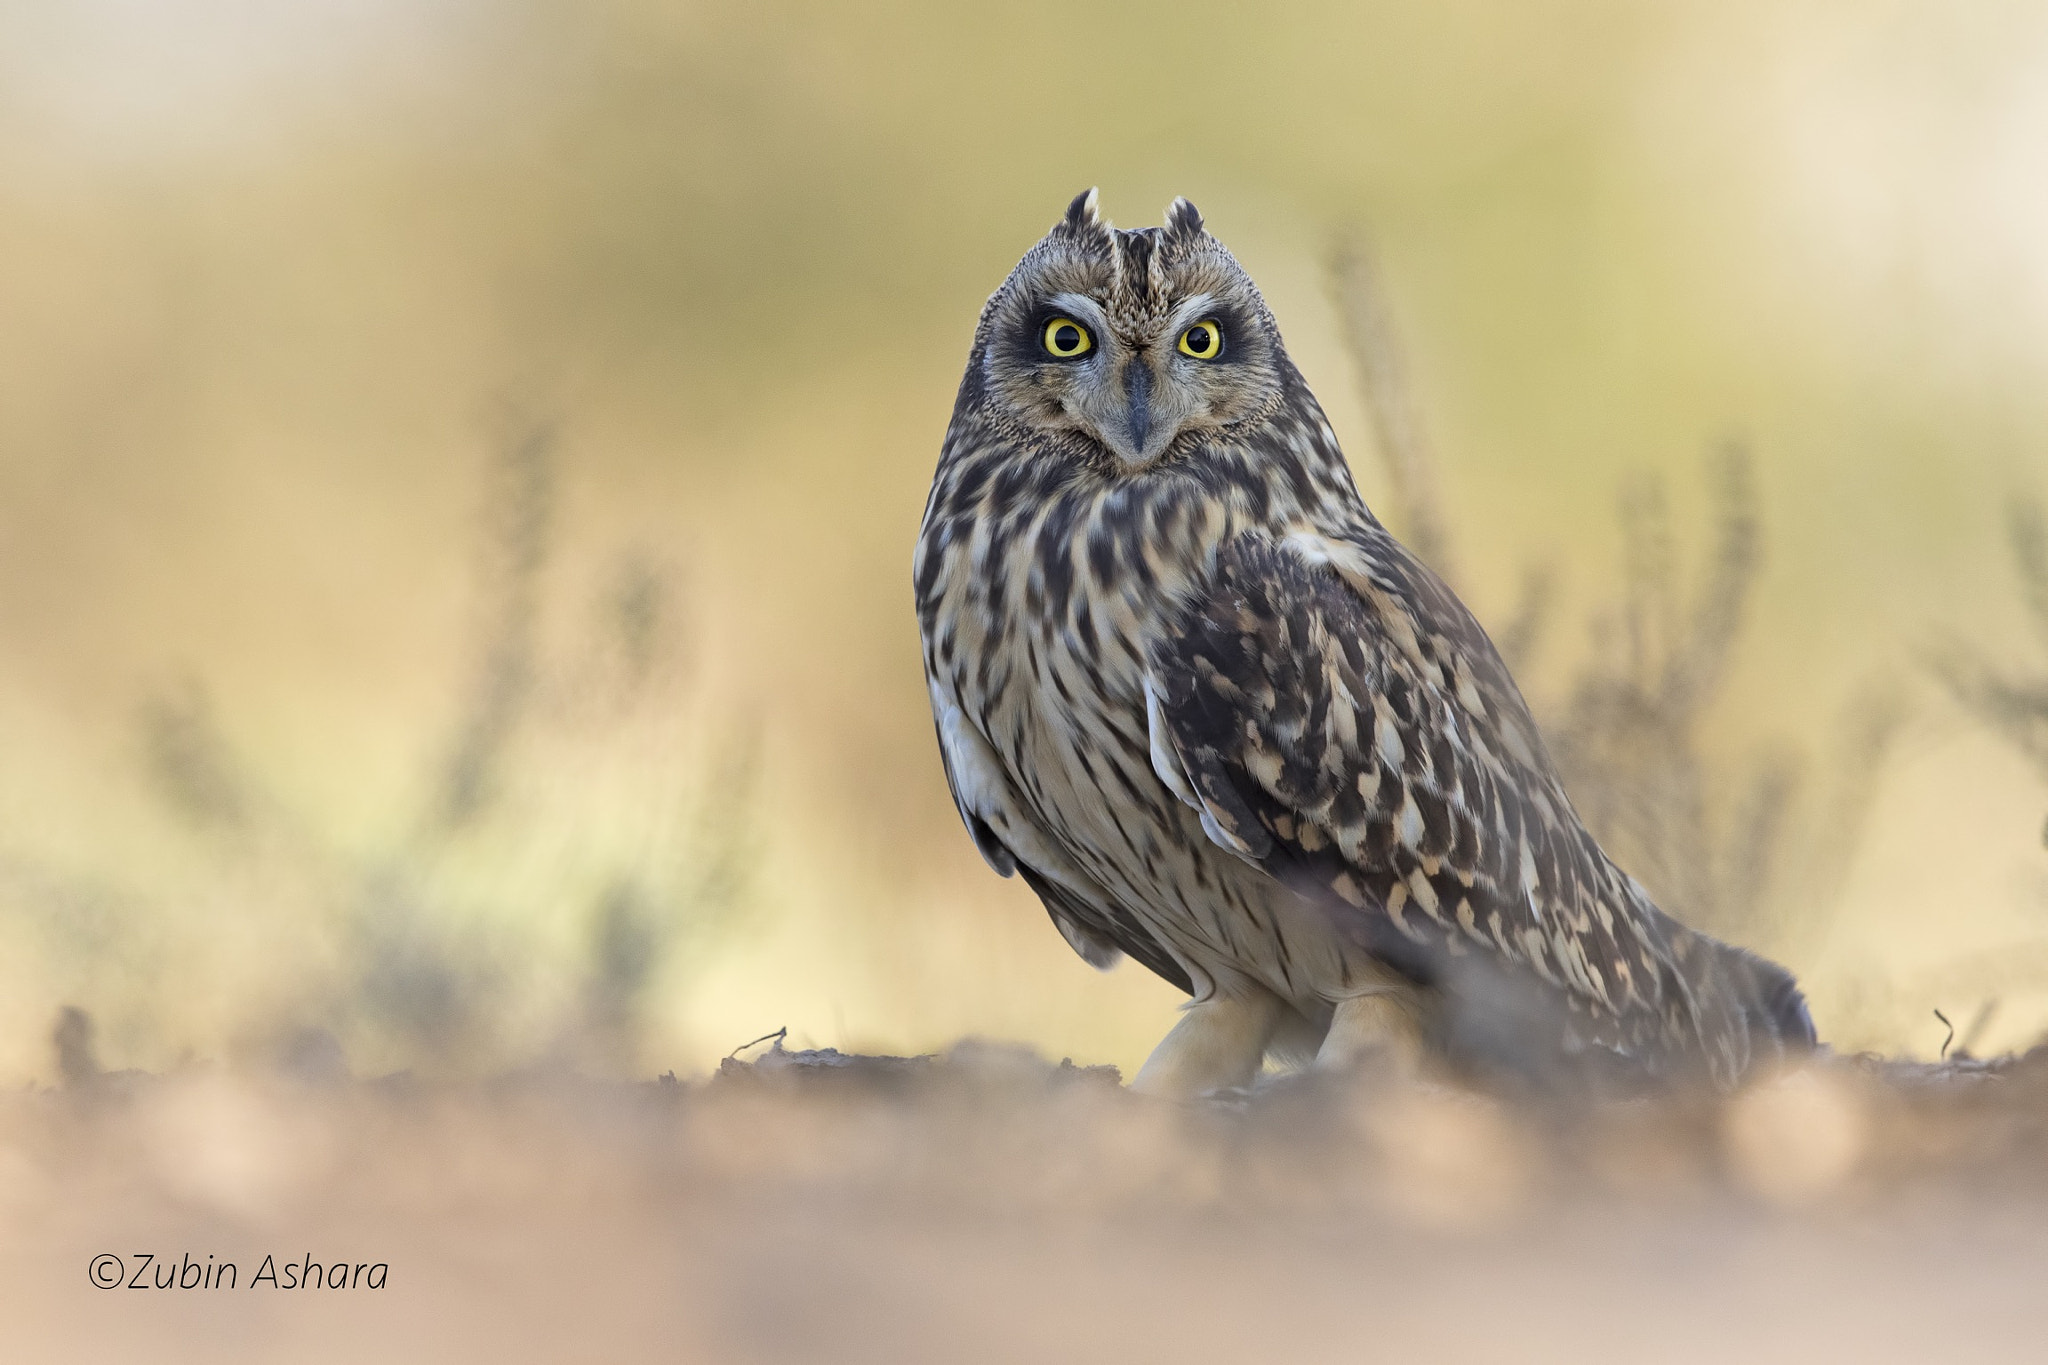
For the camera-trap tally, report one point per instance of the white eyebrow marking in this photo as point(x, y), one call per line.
point(1084, 308)
point(1191, 310)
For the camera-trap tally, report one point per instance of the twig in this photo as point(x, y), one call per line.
point(778, 1036)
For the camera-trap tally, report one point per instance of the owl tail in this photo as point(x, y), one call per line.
point(1770, 1002)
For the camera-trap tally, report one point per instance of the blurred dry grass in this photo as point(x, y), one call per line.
point(583, 840)
point(2014, 704)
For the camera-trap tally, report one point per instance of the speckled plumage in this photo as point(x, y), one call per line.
point(1222, 722)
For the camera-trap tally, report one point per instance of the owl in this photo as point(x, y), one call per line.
point(1220, 721)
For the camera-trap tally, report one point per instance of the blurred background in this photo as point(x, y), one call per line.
point(459, 462)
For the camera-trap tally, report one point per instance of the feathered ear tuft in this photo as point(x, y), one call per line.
point(1183, 222)
point(1083, 220)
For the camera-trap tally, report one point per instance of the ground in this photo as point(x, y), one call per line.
point(986, 1205)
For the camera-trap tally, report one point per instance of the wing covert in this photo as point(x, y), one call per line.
point(1343, 723)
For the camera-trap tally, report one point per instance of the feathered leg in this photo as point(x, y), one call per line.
point(1218, 1044)
point(1372, 1026)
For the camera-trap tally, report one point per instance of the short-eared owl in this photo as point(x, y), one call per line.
point(1192, 691)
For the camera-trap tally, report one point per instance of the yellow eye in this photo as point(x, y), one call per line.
point(1067, 338)
point(1203, 341)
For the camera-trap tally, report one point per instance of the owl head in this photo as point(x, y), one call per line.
point(1127, 342)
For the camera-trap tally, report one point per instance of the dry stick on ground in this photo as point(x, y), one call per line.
point(1990, 976)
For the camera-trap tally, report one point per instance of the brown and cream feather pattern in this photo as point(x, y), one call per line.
point(1224, 723)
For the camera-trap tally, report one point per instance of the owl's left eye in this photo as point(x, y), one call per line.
point(1203, 341)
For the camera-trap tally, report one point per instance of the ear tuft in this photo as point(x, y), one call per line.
point(1183, 222)
point(1083, 228)
point(1084, 218)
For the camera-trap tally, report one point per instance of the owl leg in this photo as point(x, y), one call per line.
point(1295, 1042)
point(1218, 1044)
point(1372, 1027)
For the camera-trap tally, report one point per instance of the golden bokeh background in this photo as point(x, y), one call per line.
point(459, 463)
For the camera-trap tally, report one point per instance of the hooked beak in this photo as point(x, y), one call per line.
point(1138, 406)
point(1134, 411)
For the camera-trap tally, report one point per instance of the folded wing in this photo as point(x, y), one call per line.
point(1339, 720)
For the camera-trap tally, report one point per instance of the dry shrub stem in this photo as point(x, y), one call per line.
point(427, 976)
point(2014, 703)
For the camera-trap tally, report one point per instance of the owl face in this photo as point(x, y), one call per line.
point(1130, 341)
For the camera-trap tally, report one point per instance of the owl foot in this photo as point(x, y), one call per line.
point(1377, 1030)
point(1217, 1045)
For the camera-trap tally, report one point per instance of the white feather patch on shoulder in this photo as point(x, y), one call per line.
point(1317, 549)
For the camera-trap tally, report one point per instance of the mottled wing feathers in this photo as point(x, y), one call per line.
point(1343, 723)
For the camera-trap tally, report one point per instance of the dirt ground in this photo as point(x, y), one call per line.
point(985, 1205)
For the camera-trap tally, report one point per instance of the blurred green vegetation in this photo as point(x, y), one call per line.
point(271, 287)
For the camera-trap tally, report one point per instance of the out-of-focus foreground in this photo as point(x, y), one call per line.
point(983, 1206)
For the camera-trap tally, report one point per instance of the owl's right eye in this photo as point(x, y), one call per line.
point(1066, 339)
